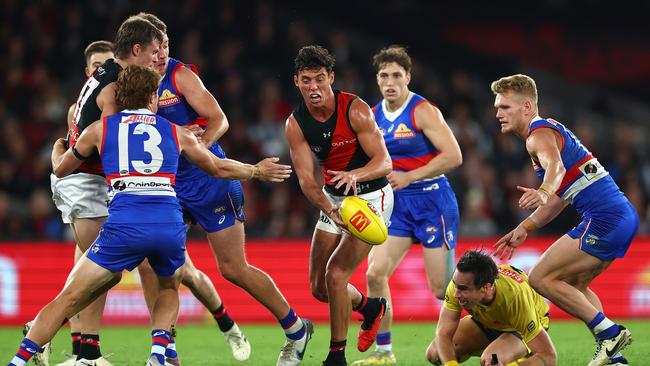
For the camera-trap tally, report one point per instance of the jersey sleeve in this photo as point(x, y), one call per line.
point(450, 302)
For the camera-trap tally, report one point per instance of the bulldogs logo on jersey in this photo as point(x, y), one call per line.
point(168, 98)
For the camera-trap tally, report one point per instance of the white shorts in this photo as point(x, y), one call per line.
point(381, 199)
point(80, 196)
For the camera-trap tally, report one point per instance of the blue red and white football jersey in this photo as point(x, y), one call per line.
point(582, 171)
point(408, 147)
point(139, 153)
point(173, 106)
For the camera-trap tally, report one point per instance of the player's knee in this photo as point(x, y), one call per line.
point(319, 294)
point(233, 272)
point(432, 353)
point(190, 277)
point(335, 277)
point(537, 281)
point(376, 280)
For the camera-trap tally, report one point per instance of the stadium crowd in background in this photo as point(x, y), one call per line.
point(245, 64)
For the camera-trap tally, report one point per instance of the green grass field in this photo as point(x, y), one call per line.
point(204, 345)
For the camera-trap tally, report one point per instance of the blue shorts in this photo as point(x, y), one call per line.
point(125, 246)
point(212, 203)
point(607, 234)
point(430, 216)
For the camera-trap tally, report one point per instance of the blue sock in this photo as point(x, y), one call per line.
point(25, 352)
point(618, 358)
point(171, 349)
point(603, 327)
point(384, 341)
point(293, 326)
point(159, 342)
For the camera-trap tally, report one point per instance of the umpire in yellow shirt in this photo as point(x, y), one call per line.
point(507, 319)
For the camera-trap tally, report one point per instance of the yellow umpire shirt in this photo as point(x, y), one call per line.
point(516, 306)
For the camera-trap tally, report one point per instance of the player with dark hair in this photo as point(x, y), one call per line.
point(570, 174)
point(139, 153)
point(507, 318)
point(217, 205)
point(422, 149)
point(340, 130)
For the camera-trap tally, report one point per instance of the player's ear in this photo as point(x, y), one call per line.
point(295, 80)
point(87, 71)
point(135, 49)
point(331, 76)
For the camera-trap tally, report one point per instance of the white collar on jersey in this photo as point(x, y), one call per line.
point(138, 111)
point(392, 116)
point(536, 118)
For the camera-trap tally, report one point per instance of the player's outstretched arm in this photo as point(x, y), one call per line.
point(430, 121)
point(199, 155)
point(64, 162)
point(204, 103)
point(506, 245)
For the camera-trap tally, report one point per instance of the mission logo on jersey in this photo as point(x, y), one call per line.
point(168, 98)
point(403, 132)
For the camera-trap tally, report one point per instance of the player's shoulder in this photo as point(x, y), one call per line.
point(108, 71)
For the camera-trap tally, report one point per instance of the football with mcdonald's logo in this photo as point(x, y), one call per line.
point(363, 220)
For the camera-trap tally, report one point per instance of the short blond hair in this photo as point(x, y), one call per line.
point(520, 84)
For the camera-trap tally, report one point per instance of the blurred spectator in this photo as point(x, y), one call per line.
point(244, 52)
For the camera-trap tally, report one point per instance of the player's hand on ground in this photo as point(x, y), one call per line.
point(269, 170)
point(399, 180)
point(532, 198)
point(509, 242)
point(344, 178)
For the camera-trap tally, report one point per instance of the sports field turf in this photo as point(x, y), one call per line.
point(204, 345)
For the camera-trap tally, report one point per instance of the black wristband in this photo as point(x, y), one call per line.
point(77, 154)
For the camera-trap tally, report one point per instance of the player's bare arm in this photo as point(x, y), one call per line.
point(303, 163)
point(543, 351)
point(445, 330)
point(203, 102)
point(430, 120)
point(544, 146)
point(539, 218)
point(199, 155)
point(363, 123)
point(65, 161)
point(106, 100)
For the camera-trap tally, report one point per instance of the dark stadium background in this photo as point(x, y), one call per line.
point(591, 61)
